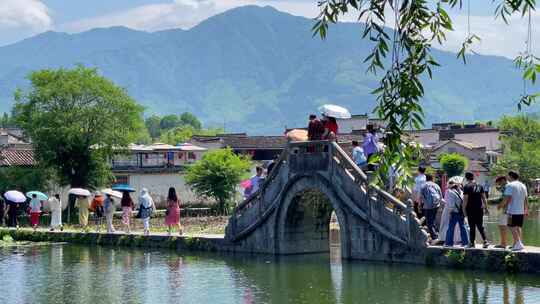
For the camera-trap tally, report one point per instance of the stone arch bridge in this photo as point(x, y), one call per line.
point(374, 225)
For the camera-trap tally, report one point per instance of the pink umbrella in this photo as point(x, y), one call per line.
point(246, 184)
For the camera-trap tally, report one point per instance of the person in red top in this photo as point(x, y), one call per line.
point(330, 128)
point(172, 218)
point(127, 207)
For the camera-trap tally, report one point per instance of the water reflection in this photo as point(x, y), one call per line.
point(72, 274)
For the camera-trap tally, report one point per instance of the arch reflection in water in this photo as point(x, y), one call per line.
point(73, 274)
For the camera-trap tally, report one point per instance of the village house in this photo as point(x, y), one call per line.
point(157, 167)
point(478, 162)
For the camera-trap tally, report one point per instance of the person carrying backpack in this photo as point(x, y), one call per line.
point(454, 199)
point(474, 204)
point(430, 199)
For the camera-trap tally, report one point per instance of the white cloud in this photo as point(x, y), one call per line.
point(176, 14)
point(497, 37)
point(24, 14)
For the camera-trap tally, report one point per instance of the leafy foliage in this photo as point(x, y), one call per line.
point(217, 174)
point(417, 25)
point(521, 147)
point(161, 126)
point(184, 133)
point(25, 179)
point(75, 119)
point(6, 121)
point(453, 164)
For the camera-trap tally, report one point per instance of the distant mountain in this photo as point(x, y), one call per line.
point(256, 69)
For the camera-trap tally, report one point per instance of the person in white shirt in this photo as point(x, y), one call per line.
point(146, 206)
point(517, 206)
point(256, 180)
point(56, 212)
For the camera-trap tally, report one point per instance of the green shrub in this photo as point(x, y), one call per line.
point(453, 164)
point(456, 258)
point(512, 263)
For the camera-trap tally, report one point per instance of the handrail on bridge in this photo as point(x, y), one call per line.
point(336, 150)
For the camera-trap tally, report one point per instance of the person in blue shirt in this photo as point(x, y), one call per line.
point(358, 155)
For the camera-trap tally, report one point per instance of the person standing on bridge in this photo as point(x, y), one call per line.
point(256, 179)
point(315, 128)
point(358, 155)
point(431, 196)
point(370, 146)
point(419, 182)
point(517, 206)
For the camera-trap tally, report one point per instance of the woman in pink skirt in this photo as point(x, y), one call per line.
point(172, 217)
point(127, 207)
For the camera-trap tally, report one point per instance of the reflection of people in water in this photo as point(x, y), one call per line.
point(248, 296)
point(175, 272)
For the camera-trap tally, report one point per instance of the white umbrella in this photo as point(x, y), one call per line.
point(456, 180)
point(331, 110)
point(111, 192)
point(80, 192)
point(15, 196)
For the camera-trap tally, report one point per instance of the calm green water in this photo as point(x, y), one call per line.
point(73, 274)
point(531, 227)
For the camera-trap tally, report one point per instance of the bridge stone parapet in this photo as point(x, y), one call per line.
point(373, 224)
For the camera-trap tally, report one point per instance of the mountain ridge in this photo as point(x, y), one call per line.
point(256, 69)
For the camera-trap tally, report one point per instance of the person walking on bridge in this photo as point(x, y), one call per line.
point(431, 196)
point(474, 204)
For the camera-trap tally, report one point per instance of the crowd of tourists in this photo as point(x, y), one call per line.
point(93, 210)
point(455, 217)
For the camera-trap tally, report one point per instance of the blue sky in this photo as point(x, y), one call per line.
point(20, 19)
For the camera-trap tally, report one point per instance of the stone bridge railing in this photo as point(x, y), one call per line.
point(384, 212)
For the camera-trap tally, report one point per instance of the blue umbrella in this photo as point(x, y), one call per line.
point(123, 188)
point(40, 195)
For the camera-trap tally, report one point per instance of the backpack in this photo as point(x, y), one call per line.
point(431, 195)
point(460, 206)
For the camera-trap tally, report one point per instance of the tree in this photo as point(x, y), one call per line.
point(153, 124)
point(453, 164)
point(76, 120)
point(188, 119)
point(25, 179)
point(521, 147)
point(169, 121)
point(417, 25)
point(183, 134)
point(217, 174)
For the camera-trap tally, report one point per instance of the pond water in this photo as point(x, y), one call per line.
point(76, 274)
point(531, 227)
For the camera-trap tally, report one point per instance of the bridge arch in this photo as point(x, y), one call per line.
point(302, 225)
